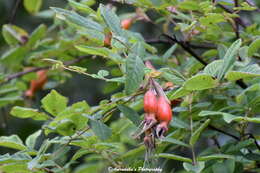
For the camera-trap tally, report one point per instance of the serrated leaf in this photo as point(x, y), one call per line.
point(32, 139)
point(173, 76)
point(77, 19)
point(174, 157)
point(100, 129)
point(13, 142)
point(22, 112)
point(130, 114)
point(200, 82)
point(94, 38)
point(111, 19)
point(54, 103)
point(195, 136)
point(222, 49)
point(244, 73)
point(32, 6)
point(213, 68)
point(134, 73)
point(229, 58)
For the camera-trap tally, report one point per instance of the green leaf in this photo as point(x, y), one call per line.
point(15, 158)
point(212, 18)
point(13, 142)
point(101, 51)
point(229, 58)
point(175, 141)
point(13, 167)
point(213, 68)
point(173, 76)
point(188, 5)
point(14, 57)
point(239, 145)
point(249, 71)
point(200, 82)
point(32, 139)
point(227, 166)
point(81, 7)
point(14, 34)
point(254, 47)
point(134, 73)
point(103, 73)
point(197, 168)
point(32, 6)
point(222, 49)
point(130, 114)
point(94, 38)
point(174, 157)
point(229, 117)
point(22, 112)
point(178, 123)
point(37, 35)
point(70, 119)
point(111, 19)
point(169, 52)
point(54, 103)
point(178, 93)
point(66, 127)
point(78, 20)
point(215, 156)
point(100, 129)
point(195, 136)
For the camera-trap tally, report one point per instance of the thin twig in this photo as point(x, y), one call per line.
point(16, 5)
point(224, 132)
point(250, 135)
point(239, 20)
point(200, 46)
point(186, 48)
point(35, 69)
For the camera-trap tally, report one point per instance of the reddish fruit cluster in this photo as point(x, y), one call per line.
point(157, 110)
point(37, 84)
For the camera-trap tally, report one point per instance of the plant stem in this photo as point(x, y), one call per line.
point(191, 131)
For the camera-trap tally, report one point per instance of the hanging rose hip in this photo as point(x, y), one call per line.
point(163, 116)
point(150, 102)
point(126, 23)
